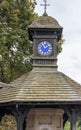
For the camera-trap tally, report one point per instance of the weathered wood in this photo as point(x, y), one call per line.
point(20, 113)
point(72, 115)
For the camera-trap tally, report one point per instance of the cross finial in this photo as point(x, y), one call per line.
point(45, 7)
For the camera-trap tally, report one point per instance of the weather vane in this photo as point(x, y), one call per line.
point(45, 6)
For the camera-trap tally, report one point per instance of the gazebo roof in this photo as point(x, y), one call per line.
point(3, 85)
point(42, 86)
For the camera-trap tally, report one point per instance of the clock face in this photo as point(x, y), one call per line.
point(45, 48)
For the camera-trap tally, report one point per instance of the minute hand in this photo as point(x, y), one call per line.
point(43, 45)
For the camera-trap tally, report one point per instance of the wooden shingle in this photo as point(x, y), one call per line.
point(42, 86)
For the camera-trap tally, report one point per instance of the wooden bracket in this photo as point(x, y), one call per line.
point(20, 113)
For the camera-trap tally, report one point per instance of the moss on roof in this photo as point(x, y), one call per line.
point(42, 86)
point(45, 22)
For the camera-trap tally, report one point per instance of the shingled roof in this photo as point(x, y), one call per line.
point(3, 85)
point(42, 86)
point(45, 22)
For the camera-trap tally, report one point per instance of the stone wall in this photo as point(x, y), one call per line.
point(45, 119)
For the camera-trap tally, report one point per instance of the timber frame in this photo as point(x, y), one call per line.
point(20, 111)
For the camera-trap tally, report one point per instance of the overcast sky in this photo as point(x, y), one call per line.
point(68, 14)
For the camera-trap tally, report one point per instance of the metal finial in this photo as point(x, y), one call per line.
point(45, 7)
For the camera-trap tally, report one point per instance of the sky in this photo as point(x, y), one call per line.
point(68, 14)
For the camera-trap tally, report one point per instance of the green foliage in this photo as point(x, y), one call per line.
point(78, 126)
point(8, 123)
point(67, 126)
point(15, 47)
point(59, 46)
point(79, 123)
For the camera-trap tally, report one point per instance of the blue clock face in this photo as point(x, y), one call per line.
point(45, 48)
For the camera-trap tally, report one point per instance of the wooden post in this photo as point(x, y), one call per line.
point(73, 120)
point(72, 115)
point(20, 114)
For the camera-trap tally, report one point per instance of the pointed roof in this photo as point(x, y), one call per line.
point(42, 86)
point(45, 22)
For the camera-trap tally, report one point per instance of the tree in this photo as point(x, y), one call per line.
point(79, 123)
point(8, 123)
point(15, 47)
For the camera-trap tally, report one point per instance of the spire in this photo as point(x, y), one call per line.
point(45, 7)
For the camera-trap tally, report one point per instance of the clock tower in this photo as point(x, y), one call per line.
point(45, 32)
point(43, 98)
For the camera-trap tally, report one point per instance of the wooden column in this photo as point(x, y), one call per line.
point(20, 114)
point(73, 120)
point(72, 115)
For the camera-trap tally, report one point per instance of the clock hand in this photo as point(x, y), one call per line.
point(43, 45)
point(46, 46)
